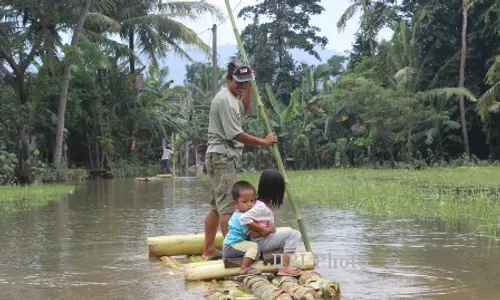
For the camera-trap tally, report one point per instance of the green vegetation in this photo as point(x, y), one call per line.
point(465, 196)
point(428, 96)
point(24, 198)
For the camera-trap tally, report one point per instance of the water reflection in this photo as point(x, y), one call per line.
point(93, 245)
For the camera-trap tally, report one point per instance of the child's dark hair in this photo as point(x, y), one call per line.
point(240, 185)
point(272, 187)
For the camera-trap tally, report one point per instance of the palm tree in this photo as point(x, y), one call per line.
point(489, 103)
point(58, 149)
point(37, 26)
point(150, 27)
point(374, 14)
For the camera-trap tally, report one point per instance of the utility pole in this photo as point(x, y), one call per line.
point(214, 60)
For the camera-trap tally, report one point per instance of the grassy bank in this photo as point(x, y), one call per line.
point(22, 198)
point(465, 196)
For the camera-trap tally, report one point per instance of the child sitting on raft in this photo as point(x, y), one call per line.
point(237, 243)
point(260, 220)
point(255, 220)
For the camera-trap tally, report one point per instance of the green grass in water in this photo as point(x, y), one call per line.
point(24, 198)
point(465, 196)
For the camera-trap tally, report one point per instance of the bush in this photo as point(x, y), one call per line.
point(8, 163)
point(51, 174)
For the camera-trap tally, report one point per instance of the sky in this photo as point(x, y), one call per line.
point(326, 22)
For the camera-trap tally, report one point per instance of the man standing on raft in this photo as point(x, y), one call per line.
point(225, 144)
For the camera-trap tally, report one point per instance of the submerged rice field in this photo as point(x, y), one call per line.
point(463, 197)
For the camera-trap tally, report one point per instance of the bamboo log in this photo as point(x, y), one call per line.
point(216, 269)
point(328, 289)
point(292, 286)
point(189, 244)
point(277, 155)
point(263, 289)
point(169, 262)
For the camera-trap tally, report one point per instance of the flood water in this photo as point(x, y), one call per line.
point(92, 245)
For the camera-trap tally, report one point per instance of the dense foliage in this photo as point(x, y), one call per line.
point(390, 102)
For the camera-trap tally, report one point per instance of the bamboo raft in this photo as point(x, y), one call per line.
point(183, 253)
point(153, 178)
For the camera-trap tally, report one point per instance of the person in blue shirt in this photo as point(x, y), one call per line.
point(237, 243)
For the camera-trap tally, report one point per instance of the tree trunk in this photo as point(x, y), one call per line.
point(65, 85)
point(131, 48)
point(463, 54)
point(409, 142)
point(391, 155)
point(21, 88)
point(90, 152)
point(22, 173)
point(97, 155)
point(364, 17)
point(187, 159)
point(133, 142)
point(196, 156)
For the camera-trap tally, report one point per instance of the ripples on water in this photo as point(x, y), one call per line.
point(92, 245)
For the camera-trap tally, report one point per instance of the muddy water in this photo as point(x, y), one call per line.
point(92, 245)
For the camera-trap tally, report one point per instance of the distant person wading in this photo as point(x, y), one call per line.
point(225, 144)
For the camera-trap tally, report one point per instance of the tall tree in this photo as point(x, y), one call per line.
point(65, 84)
point(463, 54)
point(287, 26)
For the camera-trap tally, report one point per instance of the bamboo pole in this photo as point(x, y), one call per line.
point(276, 153)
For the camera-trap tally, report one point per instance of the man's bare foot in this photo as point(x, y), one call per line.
point(212, 254)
